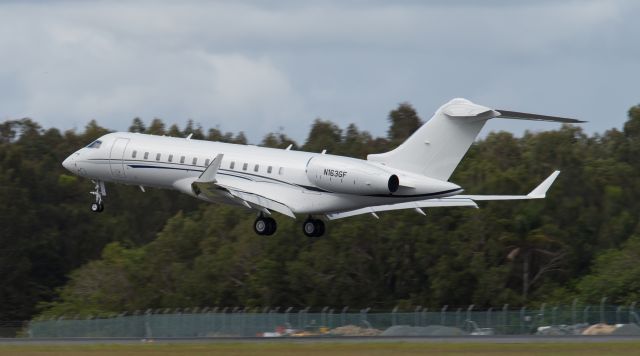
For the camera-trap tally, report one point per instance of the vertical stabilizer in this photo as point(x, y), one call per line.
point(436, 148)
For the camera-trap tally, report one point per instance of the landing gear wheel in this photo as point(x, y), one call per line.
point(313, 227)
point(260, 226)
point(272, 226)
point(320, 227)
point(265, 226)
point(97, 207)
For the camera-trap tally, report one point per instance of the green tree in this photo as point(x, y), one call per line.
point(137, 125)
point(278, 140)
point(194, 130)
point(356, 143)
point(615, 274)
point(156, 127)
point(324, 135)
point(404, 121)
point(163, 249)
point(174, 131)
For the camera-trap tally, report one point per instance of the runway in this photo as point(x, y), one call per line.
point(328, 340)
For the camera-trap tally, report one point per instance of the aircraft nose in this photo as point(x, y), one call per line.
point(68, 163)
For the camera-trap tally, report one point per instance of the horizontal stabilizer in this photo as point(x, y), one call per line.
point(505, 114)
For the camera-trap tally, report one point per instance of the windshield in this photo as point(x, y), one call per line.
point(95, 144)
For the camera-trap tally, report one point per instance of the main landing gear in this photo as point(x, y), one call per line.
point(99, 191)
point(313, 227)
point(265, 226)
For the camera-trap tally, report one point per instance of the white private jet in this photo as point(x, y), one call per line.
point(317, 185)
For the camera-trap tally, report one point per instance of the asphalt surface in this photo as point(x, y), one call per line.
point(431, 339)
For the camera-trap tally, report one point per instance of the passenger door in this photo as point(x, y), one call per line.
point(117, 155)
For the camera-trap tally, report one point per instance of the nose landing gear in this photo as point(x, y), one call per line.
point(265, 226)
point(99, 191)
point(313, 227)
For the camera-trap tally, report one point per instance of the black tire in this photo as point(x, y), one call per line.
point(261, 226)
point(310, 228)
point(95, 207)
point(319, 227)
point(272, 226)
point(100, 207)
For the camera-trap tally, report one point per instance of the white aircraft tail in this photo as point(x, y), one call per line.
point(436, 148)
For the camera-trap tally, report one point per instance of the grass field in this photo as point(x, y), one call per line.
point(313, 349)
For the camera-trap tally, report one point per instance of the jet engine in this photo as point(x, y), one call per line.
point(344, 175)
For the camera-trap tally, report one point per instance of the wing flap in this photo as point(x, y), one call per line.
point(260, 201)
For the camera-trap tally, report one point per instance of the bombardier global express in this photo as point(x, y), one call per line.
point(318, 186)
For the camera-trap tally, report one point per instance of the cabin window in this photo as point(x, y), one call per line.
point(158, 157)
point(134, 153)
point(95, 144)
point(244, 166)
point(233, 164)
point(281, 171)
point(182, 159)
point(256, 168)
point(269, 169)
point(206, 162)
point(146, 155)
point(170, 158)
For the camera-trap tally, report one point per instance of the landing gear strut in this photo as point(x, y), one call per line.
point(265, 226)
point(99, 191)
point(313, 227)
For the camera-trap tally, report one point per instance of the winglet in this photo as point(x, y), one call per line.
point(209, 174)
point(540, 191)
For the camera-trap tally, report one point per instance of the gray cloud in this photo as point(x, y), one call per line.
point(258, 66)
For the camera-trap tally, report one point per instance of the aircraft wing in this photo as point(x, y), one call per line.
point(540, 192)
point(213, 184)
point(416, 205)
point(457, 200)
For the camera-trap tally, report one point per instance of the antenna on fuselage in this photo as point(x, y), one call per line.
point(189, 137)
point(289, 147)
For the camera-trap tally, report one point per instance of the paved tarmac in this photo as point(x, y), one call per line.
point(452, 339)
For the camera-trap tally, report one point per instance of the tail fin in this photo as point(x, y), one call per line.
point(436, 148)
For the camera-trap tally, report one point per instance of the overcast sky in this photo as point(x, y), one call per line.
point(261, 66)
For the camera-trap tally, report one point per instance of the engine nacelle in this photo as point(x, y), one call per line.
point(345, 175)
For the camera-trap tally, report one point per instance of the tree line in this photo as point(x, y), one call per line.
point(161, 249)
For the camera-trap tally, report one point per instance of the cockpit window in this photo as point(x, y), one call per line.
point(95, 144)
